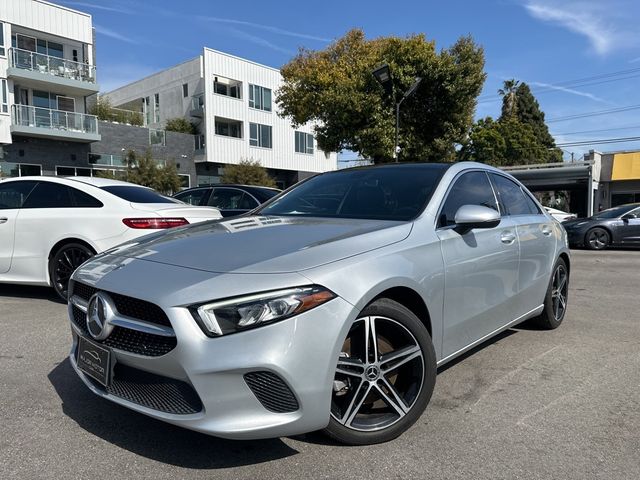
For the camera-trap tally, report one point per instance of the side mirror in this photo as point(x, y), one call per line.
point(469, 217)
point(629, 216)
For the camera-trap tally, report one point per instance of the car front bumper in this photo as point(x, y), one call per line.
point(301, 351)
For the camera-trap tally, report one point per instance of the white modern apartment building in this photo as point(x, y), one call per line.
point(47, 70)
point(232, 102)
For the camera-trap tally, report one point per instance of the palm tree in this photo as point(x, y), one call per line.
point(508, 93)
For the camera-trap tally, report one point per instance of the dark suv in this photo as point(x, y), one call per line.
point(231, 200)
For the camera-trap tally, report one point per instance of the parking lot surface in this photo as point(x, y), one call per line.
point(529, 404)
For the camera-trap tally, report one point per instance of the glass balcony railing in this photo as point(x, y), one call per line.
point(30, 116)
point(48, 65)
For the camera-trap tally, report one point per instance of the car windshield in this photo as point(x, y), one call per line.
point(264, 194)
point(615, 212)
point(134, 194)
point(397, 192)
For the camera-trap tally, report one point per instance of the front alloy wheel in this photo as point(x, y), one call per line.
point(556, 298)
point(597, 239)
point(384, 377)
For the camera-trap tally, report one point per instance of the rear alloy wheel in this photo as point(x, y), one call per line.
point(597, 239)
point(63, 263)
point(384, 378)
point(555, 303)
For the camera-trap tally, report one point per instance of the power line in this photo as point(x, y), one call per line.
point(594, 114)
point(598, 142)
point(580, 82)
point(626, 127)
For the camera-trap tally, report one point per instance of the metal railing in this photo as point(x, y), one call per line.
point(30, 116)
point(49, 65)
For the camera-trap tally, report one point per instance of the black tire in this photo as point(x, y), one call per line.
point(556, 299)
point(406, 376)
point(597, 239)
point(63, 263)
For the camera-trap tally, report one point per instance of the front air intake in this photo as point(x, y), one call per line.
point(272, 392)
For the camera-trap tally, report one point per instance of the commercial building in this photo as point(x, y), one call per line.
point(232, 102)
point(599, 181)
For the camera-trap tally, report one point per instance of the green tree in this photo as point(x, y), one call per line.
point(508, 93)
point(334, 89)
point(180, 125)
point(503, 143)
point(144, 170)
point(247, 172)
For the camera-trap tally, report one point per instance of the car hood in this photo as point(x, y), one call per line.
point(256, 244)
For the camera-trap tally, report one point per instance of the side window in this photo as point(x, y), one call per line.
point(247, 202)
point(13, 194)
point(81, 199)
point(226, 198)
point(192, 197)
point(49, 195)
point(512, 199)
point(533, 207)
point(472, 188)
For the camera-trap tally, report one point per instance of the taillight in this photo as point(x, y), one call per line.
point(154, 223)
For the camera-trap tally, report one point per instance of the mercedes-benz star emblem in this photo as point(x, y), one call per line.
point(99, 314)
point(372, 373)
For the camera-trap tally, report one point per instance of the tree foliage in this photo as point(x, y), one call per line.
point(181, 125)
point(335, 90)
point(103, 109)
point(144, 170)
point(247, 172)
point(520, 136)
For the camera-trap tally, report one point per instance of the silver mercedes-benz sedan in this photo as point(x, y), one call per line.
point(329, 307)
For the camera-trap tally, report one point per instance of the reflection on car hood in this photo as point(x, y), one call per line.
point(264, 244)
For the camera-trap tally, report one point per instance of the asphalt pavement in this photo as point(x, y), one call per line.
point(529, 404)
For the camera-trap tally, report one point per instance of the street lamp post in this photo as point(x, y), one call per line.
point(383, 76)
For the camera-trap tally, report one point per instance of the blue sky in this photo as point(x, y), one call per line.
point(543, 42)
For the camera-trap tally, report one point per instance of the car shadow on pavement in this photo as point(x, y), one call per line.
point(28, 291)
point(152, 438)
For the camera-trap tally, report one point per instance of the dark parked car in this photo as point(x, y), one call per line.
point(615, 226)
point(231, 200)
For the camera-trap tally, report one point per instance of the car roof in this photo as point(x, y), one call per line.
point(95, 181)
point(234, 185)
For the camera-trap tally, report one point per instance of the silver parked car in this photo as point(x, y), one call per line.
point(330, 307)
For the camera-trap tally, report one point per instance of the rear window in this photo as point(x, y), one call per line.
point(138, 194)
point(264, 194)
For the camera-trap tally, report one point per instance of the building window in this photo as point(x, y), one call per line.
point(304, 142)
point(199, 142)
point(67, 104)
point(19, 169)
point(2, 50)
point(260, 97)
point(4, 96)
point(73, 172)
point(185, 90)
point(185, 180)
point(156, 108)
point(227, 87)
point(157, 137)
point(259, 135)
point(228, 128)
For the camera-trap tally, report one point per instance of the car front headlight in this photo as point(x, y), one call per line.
point(241, 313)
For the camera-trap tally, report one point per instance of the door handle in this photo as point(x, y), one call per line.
point(546, 230)
point(508, 237)
point(4, 219)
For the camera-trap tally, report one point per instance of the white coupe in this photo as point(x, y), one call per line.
point(50, 225)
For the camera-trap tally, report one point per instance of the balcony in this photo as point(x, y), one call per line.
point(59, 124)
point(40, 71)
point(197, 106)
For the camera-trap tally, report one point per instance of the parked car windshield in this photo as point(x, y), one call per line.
point(397, 192)
point(135, 194)
point(264, 194)
point(615, 212)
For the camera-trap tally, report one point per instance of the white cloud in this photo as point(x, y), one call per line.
point(259, 41)
point(600, 22)
point(268, 28)
point(569, 90)
point(113, 34)
point(95, 6)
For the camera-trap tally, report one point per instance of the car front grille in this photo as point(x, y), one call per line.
point(152, 391)
point(128, 340)
point(272, 392)
point(128, 306)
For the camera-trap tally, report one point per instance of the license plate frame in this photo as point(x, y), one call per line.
point(94, 360)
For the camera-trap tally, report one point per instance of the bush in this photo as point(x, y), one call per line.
point(247, 172)
point(180, 125)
